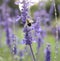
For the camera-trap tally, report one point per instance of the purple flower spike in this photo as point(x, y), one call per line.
point(39, 34)
point(7, 35)
point(21, 54)
point(13, 44)
point(24, 12)
point(51, 9)
point(48, 53)
point(14, 50)
point(28, 37)
point(39, 43)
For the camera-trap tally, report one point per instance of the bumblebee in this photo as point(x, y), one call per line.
point(29, 22)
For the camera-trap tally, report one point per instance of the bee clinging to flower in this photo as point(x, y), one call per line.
point(29, 22)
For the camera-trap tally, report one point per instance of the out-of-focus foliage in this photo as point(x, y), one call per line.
point(33, 9)
point(48, 4)
point(57, 1)
point(11, 4)
point(1, 2)
point(47, 7)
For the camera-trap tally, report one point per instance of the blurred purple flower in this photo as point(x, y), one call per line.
point(53, 30)
point(8, 35)
point(36, 14)
point(43, 17)
point(38, 31)
point(39, 42)
point(13, 44)
point(1, 17)
point(39, 34)
point(21, 53)
point(5, 14)
point(51, 9)
point(41, 4)
point(48, 53)
point(14, 50)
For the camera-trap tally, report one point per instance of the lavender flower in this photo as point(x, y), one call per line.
point(41, 4)
point(53, 30)
point(6, 18)
point(25, 15)
point(8, 32)
point(43, 17)
point(24, 12)
point(5, 14)
point(48, 53)
point(7, 35)
point(51, 9)
point(1, 16)
point(39, 34)
point(13, 44)
point(28, 38)
point(39, 43)
point(36, 15)
point(21, 54)
point(14, 50)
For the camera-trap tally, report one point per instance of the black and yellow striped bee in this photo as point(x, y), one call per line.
point(29, 22)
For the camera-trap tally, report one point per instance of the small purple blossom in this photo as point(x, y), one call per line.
point(48, 53)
